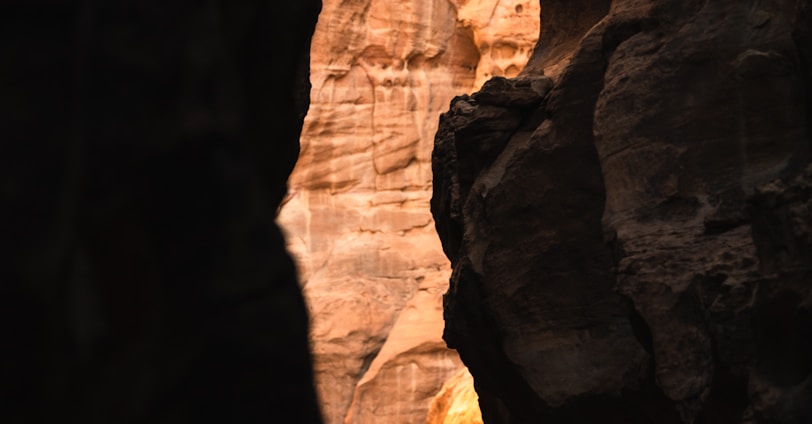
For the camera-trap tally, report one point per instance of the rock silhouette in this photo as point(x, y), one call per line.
point(628, 220)
point(145, 150)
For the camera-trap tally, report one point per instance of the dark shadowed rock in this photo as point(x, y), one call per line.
point(636, 249)
point(145, 150)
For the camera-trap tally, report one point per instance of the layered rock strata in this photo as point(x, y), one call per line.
point(629, 219)
point(145, 150)
point(357, 214)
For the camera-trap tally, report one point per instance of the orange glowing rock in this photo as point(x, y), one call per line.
point(457, 402)
point(357, 216)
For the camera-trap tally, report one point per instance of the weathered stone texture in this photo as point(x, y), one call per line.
point(357, 214)
point(633, 247)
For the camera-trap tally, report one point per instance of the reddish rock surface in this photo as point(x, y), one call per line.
point(357, 215)
point(630, 234)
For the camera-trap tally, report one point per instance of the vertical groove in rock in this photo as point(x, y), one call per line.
point(564, 24)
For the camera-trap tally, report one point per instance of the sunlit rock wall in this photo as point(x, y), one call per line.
point(357, 212)
point(457, 402)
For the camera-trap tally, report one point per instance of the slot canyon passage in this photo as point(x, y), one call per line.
point(628, 217)
point(357, 215)
point(625, 225)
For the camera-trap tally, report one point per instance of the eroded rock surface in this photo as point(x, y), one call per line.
point(631, 242)
point(357, 215)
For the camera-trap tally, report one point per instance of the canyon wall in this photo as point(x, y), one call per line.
point(457, 402)
point(145, 149)
point(629, 221)
point(357, 212)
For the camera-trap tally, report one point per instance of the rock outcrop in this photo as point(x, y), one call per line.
point(628, 220)
point(357, 214)
point(145, 150)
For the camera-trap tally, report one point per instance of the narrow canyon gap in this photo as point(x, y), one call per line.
point(630, 219)
point(357, 213)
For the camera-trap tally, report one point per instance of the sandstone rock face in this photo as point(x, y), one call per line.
point(457, 402)
point(357, 214)
point(145, 150)
point(630, 233)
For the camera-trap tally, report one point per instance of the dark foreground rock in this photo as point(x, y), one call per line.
point(145, 148)
point(633, 246)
